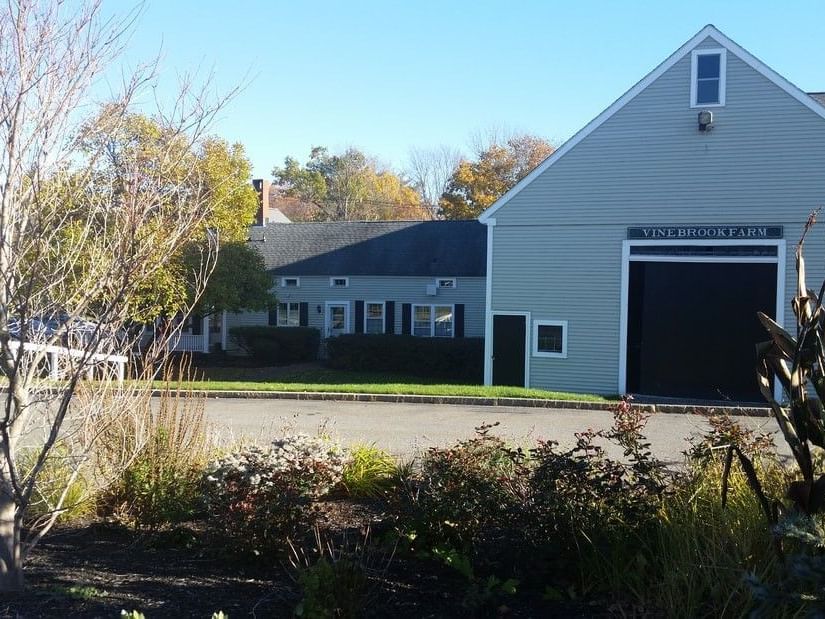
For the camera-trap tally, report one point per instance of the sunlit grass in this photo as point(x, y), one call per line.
point(326, 380)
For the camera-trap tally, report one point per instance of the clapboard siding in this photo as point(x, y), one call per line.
point(315, 291)
point(557, 244)
point(648, 163)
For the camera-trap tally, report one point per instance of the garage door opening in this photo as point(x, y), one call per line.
point(692, 326)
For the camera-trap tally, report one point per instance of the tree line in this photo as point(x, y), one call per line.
point(438, 183)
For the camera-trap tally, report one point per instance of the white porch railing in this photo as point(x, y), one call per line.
point(54, 353)
point(186, 342)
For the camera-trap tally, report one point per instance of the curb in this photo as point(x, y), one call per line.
point(679, 409)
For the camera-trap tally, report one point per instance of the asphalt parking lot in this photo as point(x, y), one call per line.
point(406, 429)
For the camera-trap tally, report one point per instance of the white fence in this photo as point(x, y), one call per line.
point(54, 353)
point(185, 342)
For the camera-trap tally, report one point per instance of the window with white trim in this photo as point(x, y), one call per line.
point(550, 338)
point(374, 317)
point(433, 320)
point(707, 75)
point(339, 282)
point(290, 282)
point(445, 282)
point(289, 315)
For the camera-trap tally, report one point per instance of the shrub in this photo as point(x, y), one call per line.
point(167, 449)
point(61, 473)
point(368, 472)
point(587, 508)
point(277, 345)
point(692, 563)
point(333, 589)
point(468, 494)
point(457, 359)
point(338, 576)
point(690, 558)
point(260, 496)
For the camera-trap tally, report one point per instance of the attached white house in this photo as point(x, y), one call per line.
point(635, 258)
point(422, 278)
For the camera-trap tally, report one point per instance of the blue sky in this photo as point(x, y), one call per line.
point(387, 76)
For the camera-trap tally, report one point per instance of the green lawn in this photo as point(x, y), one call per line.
point(327, 380)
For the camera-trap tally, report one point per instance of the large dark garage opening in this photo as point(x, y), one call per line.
point(692, 328)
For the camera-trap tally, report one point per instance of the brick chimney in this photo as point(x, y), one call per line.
point(262, 189)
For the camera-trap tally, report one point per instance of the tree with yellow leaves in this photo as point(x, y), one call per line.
point(349, 186)
point(476, 185)
point(213, 168)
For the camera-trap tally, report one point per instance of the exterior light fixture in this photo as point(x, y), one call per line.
point(705, 120)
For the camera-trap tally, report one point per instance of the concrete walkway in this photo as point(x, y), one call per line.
point(405, 429)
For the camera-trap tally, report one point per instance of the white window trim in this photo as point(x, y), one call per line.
point(278, 313)
point(332, 282)
point(432, 307)
point(550, 323)
point(297, 282)
point(438, 281)
point(723, 63)
point(383, 315)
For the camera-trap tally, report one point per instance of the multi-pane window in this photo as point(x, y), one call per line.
point(289, 314)
point(422, 320)
point(374, 318)
point(433, 320)
point(446, 282)
point(339, 282)
point(708, 75)
point(290, 282)
point(550, 338)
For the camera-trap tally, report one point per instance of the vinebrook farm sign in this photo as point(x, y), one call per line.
point(756, 232)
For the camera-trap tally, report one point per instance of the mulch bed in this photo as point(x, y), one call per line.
point(99, 569)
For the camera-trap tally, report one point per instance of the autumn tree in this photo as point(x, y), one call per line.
point(214, 169)
point(87, 225)
point(476, 184)
point(348, 186)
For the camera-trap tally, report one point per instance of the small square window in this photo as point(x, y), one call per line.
point(339, 282)
point(290, 282)
point(550, 338)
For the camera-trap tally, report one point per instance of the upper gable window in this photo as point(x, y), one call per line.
point(707, 74)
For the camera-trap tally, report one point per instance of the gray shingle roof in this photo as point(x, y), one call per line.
point(400, 248)
point(819, 96)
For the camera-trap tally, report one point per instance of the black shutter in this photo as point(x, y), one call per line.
point(406, 319)
point(197, 325)
point(359, 316)
point(273, 317)
point(458, 317)
point(303, 314)
point(389, 317)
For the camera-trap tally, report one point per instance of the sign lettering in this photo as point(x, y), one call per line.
point(752, 232)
